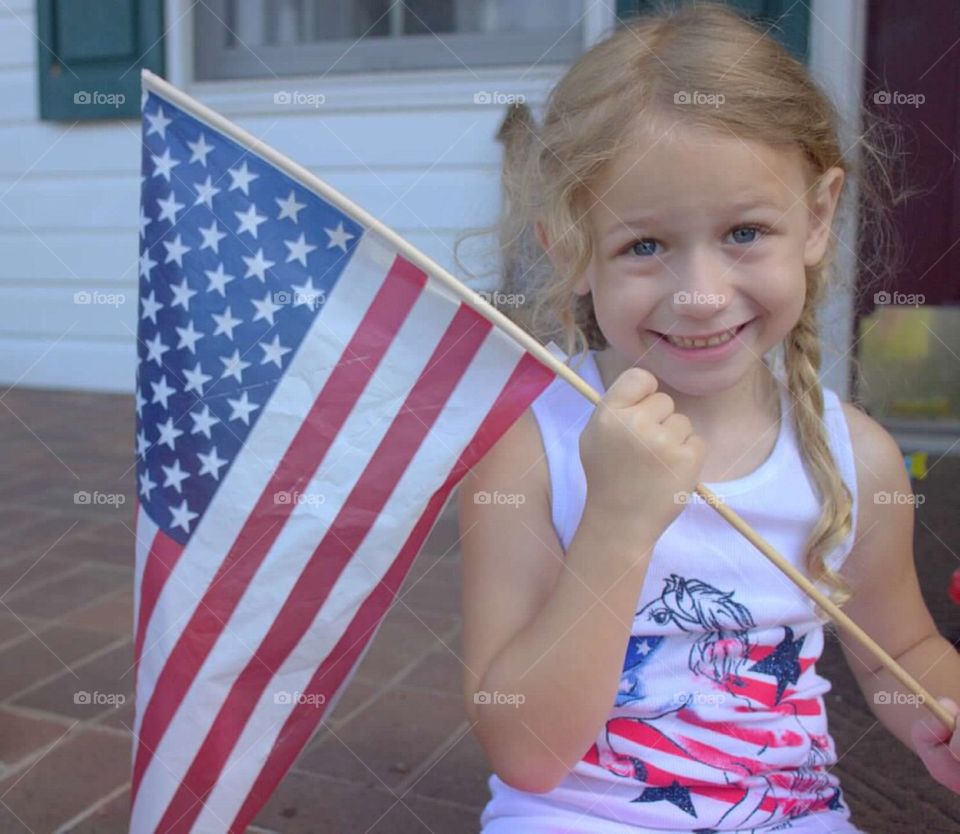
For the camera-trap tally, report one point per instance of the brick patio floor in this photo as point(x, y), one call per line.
point(396, 755)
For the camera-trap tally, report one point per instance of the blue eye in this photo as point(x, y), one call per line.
point(647, 241)
point(755, 229)
point(645, 247)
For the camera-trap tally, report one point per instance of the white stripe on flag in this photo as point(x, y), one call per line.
point(467, 407)
point(399, 370)
point(146, 531)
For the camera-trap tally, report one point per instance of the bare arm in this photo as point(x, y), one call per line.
point(887, 602)
point(545, 637)
point(933, 662)
point(563, 668)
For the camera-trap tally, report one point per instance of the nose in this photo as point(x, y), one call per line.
point(703, 287)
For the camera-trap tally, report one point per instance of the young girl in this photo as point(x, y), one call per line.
point(633, 664)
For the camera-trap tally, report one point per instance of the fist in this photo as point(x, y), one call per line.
point(938, 748)
point(638, 454)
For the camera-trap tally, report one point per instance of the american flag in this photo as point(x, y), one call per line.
point(307, 397)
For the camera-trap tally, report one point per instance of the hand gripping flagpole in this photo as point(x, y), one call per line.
point(474, 300)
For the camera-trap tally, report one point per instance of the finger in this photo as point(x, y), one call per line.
point(633, 385)
point(928, 732)
point(944, 767)
point(951, 706)
point(937, 756)
point(656, 408)
point(927, 737)
point(679, 426)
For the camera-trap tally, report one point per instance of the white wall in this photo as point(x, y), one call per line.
point(417, 152)
point(420, 155)
point(837, 56)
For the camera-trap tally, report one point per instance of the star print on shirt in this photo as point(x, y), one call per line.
point(675, 794)
point(639, 647)
point(783, 662)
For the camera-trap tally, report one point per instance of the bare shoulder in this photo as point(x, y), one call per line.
point(869, 437)
point(883, 484)
point(517, 459)
point(878, 460)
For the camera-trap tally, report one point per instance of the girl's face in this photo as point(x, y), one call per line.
point(697, 233)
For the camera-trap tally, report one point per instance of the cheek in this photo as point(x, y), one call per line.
point(791, 291)
point(777, 284)
point(780, 298)
point(621, 307)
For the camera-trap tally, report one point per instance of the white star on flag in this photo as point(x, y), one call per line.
point(299, 249)
point(289, 207)
point(338, 237)
point(249, 220)
point(164, 165)
point(206, 192)
point(241, 178)
point(218, 279)
point(257, 265)
point(199, 150)
point(212, 237)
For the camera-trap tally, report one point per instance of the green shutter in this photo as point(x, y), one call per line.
point(627, 8)
point(90, 55)
point(792, 18)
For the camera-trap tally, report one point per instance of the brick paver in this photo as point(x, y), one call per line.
point(394, 757)
point(66, 682)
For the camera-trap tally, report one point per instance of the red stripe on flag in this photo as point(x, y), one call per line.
point(393, 301)
point(450, 360)
point(160, 561)
point(526, 383)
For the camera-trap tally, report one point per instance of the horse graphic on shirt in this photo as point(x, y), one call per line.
point(719, 629)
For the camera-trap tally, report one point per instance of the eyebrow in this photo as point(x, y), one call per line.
point(745, 204)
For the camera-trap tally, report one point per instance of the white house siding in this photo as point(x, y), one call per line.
point(414, 150)
point(423, 160)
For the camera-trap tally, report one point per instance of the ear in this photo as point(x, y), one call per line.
point(582, 286)
point(822, 209)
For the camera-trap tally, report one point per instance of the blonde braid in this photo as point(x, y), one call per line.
point(802, 363)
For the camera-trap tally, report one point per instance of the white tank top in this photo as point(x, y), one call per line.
point(719, 723)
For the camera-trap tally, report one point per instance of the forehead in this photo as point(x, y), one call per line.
point(674, 169)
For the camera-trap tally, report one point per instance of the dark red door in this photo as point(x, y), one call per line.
point(913, 76)
point(908, 343)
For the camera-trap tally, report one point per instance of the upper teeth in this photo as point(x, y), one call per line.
point(713, 340)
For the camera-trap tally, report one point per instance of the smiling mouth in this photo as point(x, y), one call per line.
point(712, 340)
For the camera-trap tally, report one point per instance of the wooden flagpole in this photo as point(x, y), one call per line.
point(151, 81)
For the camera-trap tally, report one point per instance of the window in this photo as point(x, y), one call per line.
point(248, 38)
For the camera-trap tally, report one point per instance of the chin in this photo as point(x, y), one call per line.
point(698, 384)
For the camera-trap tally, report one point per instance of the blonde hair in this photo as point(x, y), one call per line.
point(630, 78)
